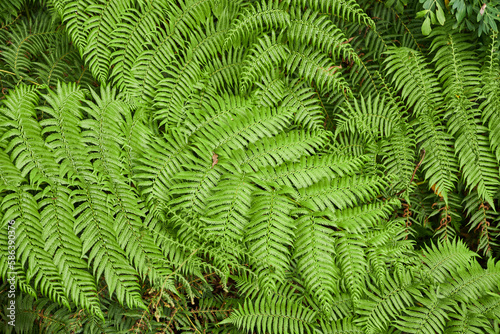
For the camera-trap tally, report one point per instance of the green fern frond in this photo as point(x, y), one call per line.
point(360, 218)
point(195, 186)
point(30, 252)
point(344, 325)
point(240, 131)
point(265, 54)
point(385, 302)
point(309, 170)
point(472, 282)
point(350, 258)
point(134, 29)
point(466, 321)
point(303, 99)
point(315, 67)
point(315, 264)
point(227, 211)
point(346, 9)
point(26, 40)
point(277, 315)
point(270, 235)
point(262, 16)
point(410, 74)
point(274, 151)
point(444, 258)
point(341, 193)
point(429, 318)
point(26, 145)
point(459, 75)
point(310, 27)
point(103, 19)
point(160, 162)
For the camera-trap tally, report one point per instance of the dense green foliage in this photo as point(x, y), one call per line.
point(216, 166)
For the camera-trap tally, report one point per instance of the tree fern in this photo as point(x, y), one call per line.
point(217, 166)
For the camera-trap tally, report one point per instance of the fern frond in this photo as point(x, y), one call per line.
point(488, 306)
point(315, 67)
point(26, 145)
point(134, 29)
point(98, 28)
point(421, 90)
point(472, 282)
point(465, 321)
point(431, 317)
point(444, 258)
point(360, 218)
point(227, 211)
point(372, 117)
point(195, 185)
point(345, 9)
point(173, 91)
point(159, 163)
point(270, 14)
point(271, 91)
point(385, 302)
point(30, 251)
point(240, 131)
point(490, 77)
point(225, 73)
point(344, 325)
point(277, 315)
point(310, 170)
point(270, 235)
point(303, 99)
point(27, 39)
point(267, 53)
point(310, 27)
point(459, 75)
point(274, 151)
point(315, 264)
point(341, 193)
point(350, 258)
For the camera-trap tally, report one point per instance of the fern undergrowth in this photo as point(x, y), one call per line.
point(216, 166)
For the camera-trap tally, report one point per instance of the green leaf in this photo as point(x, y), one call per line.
point(426, 26)
point(440, 15)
